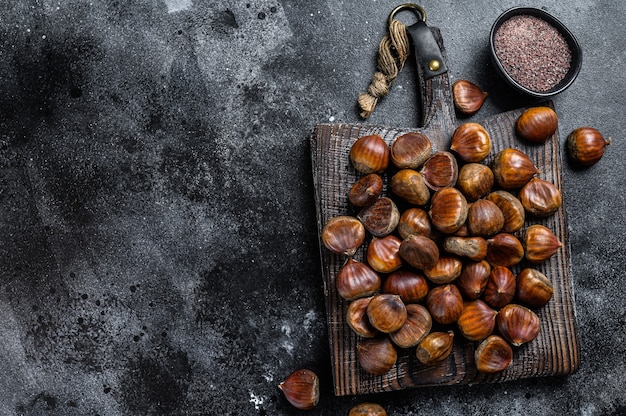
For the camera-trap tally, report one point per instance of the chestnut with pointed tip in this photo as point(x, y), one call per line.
point(493, 355)
point(435, 347)
point(513, 168)
point(301, 388)
point(467, 97)
point(471, 142)
point(356, 280)
point(540, 197)
point(540, 243)
point(517, 324)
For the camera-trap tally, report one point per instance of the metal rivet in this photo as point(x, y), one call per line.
point(434, 65)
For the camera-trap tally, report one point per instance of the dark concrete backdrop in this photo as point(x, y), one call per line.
point(158, 241)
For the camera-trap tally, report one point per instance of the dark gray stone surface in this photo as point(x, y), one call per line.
point(158, 241)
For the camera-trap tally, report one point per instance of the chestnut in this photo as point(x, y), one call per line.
point(369, 154)
point(537, 124)
point(586, 146)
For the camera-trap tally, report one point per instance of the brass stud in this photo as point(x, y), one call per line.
point(434, 65)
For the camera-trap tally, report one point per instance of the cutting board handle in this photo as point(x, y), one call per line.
point(438, 114)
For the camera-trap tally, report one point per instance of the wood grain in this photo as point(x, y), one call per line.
point(554, 352)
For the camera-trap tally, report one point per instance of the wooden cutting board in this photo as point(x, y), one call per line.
point(555, 351)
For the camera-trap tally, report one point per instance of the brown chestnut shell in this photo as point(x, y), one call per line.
point(500, 288)
point(471, 142)
point(540, 197)
point(518, 324)
point(417, 325)
point(386, 312)
point(366, 190)
point(537, 124)
point(445, 303)
point(383, 255)
point(369, 154)
point(493, 355)
point(586, 146)
point(411, 286)
point(356, 280)
point(380, 218)
point(435, 347)
point(533, 287)
point(448, 210)
point(376, 355)
point(477, 321)
point(343, 234)
point(410, 150)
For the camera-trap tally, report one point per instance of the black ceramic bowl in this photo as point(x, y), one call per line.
point(573, 44)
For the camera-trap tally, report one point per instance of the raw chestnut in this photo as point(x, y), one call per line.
point(446, 270)
point(376, 355)
point(357, 319)
point(467, 97)
point(411, 286)
point(380, 218)
point(473, 279)
point(343, 235)
point(512, 210)
point(416, 221)
point(540, 198)
point(382, 254)
point(477, 320)
point(513, 168)
point(474, 248)
point(493, 354)
point(410, 150)
point(435, 347)
point(500, 288)
point(445, 303)
point(448, 210)
point(419, 251)
point(410, 185)
point(484, 218)
point(471, 142)
point(585, 146)
point(475, 180)
point(417, 325)
point(517, 324)
point(369, 154)
point(533, 287)
point(356, 280)
point(537, 124)
point(504, 249)
point(301, 388)
point(440, 170)
point(386, 312)
point(366, 190)
point(540, 243)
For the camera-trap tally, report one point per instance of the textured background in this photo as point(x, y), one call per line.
point(158, 242)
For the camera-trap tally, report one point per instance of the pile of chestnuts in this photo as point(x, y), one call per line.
point(445, 236)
